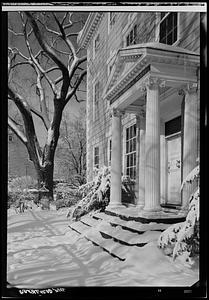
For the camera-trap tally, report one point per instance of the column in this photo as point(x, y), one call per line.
point(190, 141)
point(152, 147)
point(141, 178)
point(116, 161)
point(163, 164)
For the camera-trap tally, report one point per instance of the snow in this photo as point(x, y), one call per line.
point(44, 252)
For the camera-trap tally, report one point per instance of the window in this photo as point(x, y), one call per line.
point(96, 44)
point(96, 100)
point(112, 18)
point(131, 151)
point(131, 38)
point(168, 28)
point(10, 138)
point(173, 126)
point(96, 157)
point(110, 66)
point(109, 151)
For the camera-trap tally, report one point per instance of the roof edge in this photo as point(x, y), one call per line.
point(86, 33)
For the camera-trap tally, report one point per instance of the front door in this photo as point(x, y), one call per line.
point(174, 170)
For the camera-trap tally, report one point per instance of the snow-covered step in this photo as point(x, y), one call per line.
point(108, 245)
point(79, 227)
point(92, 234)
point(133, 225)
point(119, 234)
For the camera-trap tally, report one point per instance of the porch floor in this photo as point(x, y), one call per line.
point(132, 213)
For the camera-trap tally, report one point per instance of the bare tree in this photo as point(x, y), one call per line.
point(72, 148)
point(58, 68)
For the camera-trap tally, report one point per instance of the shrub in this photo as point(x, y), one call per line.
point(96, 194)
point(66, 196)
point(20, 200)
point(17, 191)
point(183, 239)
point(21, 183)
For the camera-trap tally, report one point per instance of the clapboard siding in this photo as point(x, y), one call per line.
point(110, 41)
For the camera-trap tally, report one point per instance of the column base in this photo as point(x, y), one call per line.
point(139, 206)
point(115, 205)
point(152, 209)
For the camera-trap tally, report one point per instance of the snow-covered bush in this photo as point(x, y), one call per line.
point(66, 196)
point(18, 191)
point(20, 200)
point(182, 239)
point(21, 183)
point(95, 195)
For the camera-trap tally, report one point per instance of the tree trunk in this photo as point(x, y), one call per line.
point(45, 180)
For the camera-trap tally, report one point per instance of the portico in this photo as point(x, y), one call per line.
point(157, 83)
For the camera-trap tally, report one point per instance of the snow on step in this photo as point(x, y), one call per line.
point(132, 224)
point(79, 227)
point(93, 234)
point(120, 234)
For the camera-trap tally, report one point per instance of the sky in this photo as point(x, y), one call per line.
point(23, 75)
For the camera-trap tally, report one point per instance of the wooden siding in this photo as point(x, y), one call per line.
point(110, 41)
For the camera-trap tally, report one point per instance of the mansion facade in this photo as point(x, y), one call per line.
point(143, 99)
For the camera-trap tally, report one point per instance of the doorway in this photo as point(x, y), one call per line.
point(173, 144)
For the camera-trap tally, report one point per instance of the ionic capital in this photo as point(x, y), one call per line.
point(190, 88)
point(116, 112)
point(152, 82)
point(142, 113)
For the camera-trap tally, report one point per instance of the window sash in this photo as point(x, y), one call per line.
point(131, 38)
point(112, 18)
point(168, 28)
point(131, 151)
point(96, 100)
point(96, 157)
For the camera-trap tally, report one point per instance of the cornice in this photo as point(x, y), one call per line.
point(88, 30)
point(144, 56)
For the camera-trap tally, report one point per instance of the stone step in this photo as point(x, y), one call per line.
point(131, 225)
point(119, 234)
point(96, 238)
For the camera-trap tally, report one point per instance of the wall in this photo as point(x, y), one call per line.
point(111, 39)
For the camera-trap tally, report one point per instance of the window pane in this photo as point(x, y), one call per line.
point(131, 36)
point(127, 41)
point(131, 173)
point(174, 19)
point(169, 22)
point(127, 172)
point(127, 133)
point(131, 159)
point(175, 35)
point(163, 14)
point(168, 29)
point(134, 173)
point(162, 30)
point(169, 39)
point(134, 144)
point(127, 161)
point(134, 158)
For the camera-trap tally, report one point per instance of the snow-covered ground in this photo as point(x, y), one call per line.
point(43, 252)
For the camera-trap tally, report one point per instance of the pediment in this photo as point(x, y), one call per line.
point(133, 62)
point(122, 66)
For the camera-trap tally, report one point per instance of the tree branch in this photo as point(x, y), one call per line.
point(41, 116)
point(15, 33)
point(16, 130)
point(72, 92)
point(43, 43)
point(33, 146)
